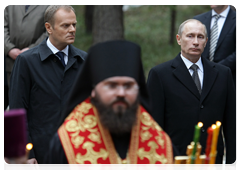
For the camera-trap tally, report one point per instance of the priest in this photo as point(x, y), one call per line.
point(106, 119)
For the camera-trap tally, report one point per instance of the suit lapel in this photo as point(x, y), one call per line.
point(230, 20)
point(210, 74)
point(182, 74)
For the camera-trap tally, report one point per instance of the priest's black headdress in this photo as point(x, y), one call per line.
point(108, 59)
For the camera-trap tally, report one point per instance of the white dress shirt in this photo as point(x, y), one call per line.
point(200, 70)
point(55, 50)
point(221, 20)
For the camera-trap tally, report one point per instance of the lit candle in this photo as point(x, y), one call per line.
point(213, 152)
point(196, 139)
point(29, 147)
point(208, 144)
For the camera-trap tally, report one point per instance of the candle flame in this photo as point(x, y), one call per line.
point(214, 126)
point(218, 123)
point(29, 146)
point(200, 124)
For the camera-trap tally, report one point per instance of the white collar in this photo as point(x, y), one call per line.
point(188, 63)
point(54, 49)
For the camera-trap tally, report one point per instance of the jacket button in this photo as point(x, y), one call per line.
point(202, 107)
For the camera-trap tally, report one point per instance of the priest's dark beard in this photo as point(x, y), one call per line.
point(119, 122)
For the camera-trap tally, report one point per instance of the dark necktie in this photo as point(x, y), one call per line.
point(214, 38)
point(26, 7)
point(195, 77)
point(60, 54)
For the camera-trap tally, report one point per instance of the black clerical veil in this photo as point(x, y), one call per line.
point(104, 60)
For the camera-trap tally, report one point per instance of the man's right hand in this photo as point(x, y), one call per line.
point(32, 164)
point(13, 53)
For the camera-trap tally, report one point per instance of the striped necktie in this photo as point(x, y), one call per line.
point(214, 38)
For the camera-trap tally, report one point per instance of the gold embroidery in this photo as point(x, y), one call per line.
point(85, 107)
point(145, 135)
point(88, 123)
point(77, 141)
point(79, 110)
point(95, 136)
point(159, 138)
point(157, 127)
point(91, 155)
point(146, 119)
point(151, 155)
point(72, 126)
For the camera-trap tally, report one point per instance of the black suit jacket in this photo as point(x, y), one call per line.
point(226, 47)
point(41, 85)
point(177, 105)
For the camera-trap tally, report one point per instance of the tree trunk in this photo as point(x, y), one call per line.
point(173, 21)
point(107, 23)
point(88, 16)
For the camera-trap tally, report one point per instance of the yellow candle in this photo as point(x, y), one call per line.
point(213, 152)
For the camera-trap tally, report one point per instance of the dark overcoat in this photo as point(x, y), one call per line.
point(41, 85)
point(178, 106)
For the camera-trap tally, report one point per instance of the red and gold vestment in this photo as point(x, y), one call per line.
point(86, 141)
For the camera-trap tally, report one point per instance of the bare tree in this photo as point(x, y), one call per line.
point(173, 21)
point(107, 23)
point(88, 16)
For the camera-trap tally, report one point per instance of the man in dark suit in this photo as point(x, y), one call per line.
point(179, 103)
point(225, 50)
point(43, 76)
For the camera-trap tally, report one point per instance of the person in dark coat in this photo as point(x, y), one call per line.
point(106, 119)
point(225, 50)
point(43, 76)
point(179, 103)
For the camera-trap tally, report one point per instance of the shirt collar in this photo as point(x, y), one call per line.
point(54, 49)
point(223, 14)
point(188, 63)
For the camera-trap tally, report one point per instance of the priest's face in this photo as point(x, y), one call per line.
point(116, 100)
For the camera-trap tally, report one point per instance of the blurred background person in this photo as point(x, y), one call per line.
point(107, 115)
point(23, 29)
point(221, 28)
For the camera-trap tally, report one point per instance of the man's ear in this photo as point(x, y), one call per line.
point(178, 37)
point(48, 27)
point(93, 93)
point(205, 42)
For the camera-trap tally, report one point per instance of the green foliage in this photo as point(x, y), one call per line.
point(148, 26)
